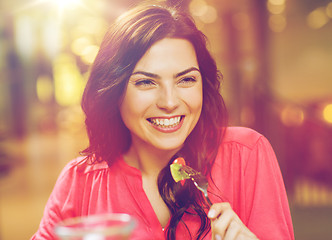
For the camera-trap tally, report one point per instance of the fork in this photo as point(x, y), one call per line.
point(199, 180)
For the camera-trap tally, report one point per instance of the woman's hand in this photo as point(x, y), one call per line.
point(226, 225)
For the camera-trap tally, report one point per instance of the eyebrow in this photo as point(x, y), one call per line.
point(187, 71)
point(152, 75)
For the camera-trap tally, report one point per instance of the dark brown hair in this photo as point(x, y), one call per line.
point(122, 47)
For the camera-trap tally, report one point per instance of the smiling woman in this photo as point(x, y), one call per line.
point(153, 94)
point(165, 92)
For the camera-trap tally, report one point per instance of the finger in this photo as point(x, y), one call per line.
point(217, 209)
point(220, 225)
point(233, 231)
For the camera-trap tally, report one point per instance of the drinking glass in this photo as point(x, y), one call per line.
point(115, 226)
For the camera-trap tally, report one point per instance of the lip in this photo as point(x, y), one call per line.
point(168, 129)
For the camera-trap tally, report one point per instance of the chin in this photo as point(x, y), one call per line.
point(169, 147)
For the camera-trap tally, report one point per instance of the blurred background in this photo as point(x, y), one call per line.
point(276, 58)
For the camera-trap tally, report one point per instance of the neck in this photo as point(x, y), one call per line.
point(150, 161)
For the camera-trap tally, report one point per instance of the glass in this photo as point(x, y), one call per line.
point(113, 226)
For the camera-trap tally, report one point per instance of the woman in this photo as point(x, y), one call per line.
point(153, 94)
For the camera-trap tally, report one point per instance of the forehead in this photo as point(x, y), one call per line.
point(172, 53)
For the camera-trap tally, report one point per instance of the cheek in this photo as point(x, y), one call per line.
point(198, 100)
point(197, 107)
point(197, 104)
point(130, 109)
point(194, 99)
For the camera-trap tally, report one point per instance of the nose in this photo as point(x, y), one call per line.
point(168, 99)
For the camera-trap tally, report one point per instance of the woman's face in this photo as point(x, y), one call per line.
point(163, 99)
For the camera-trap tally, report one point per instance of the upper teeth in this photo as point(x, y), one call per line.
point(165, 122)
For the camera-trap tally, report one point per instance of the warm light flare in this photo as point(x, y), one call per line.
point(327, 113)
point(66, 3)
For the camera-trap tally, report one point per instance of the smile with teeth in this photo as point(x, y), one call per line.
point(165, 122)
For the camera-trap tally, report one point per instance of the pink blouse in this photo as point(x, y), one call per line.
point(245, 173)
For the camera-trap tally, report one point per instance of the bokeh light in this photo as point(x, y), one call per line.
point(275, 8)
point(79, 44)
point(26, 39)
point(89, 54)
point(48, 46)
point(277, 19)
point(85, 48)
point(51, 38)
point(317, 18)
point(277, 23)
point(198, 7)
point(327, 113)
point(292, 116)
point(210, 16)
point(68, 81)
point(206, 13)
point(277, 2)
point(44, 88)
point(328, 10)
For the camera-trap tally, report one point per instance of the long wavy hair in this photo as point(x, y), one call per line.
point(131, 35)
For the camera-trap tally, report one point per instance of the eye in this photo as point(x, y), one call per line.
point(187, 81)
point(144, 83)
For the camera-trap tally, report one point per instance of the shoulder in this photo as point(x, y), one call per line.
point(83, 166)
point(243, 145)
point(243, 136)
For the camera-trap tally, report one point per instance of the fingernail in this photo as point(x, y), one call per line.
point(212, 213)
point(217, 237)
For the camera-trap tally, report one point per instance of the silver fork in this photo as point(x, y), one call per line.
point(199, 180)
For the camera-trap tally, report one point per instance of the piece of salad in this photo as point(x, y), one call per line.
point(178, 174)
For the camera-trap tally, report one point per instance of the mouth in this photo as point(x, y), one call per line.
point(166, 122)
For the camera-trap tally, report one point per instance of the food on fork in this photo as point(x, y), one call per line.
point(176, 170)
point(181, 172)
